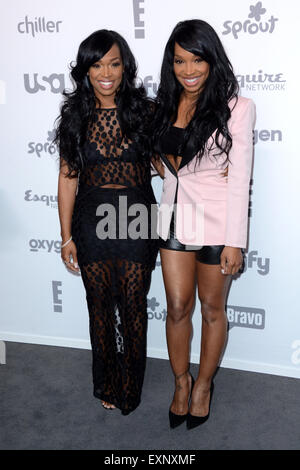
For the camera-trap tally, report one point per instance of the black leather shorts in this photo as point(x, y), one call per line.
point(207, 254)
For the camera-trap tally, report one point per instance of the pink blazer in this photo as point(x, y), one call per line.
point(212, 209)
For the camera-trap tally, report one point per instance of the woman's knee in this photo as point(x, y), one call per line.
point(212, 311)
point(179, 310)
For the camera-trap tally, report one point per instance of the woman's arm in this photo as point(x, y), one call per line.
point(66, 199)
point(157, 168)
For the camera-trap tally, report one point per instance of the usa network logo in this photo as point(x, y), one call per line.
point(253, 25)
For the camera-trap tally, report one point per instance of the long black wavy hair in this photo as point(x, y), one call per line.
point(212, 111)
point(133, 107)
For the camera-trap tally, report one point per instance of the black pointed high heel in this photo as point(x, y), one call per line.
point(176, 420)
point(194, 421)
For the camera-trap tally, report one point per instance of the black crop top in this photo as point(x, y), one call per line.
point(171, 144)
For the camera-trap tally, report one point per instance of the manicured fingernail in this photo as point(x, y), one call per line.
point(76, 265)
point(222, 271)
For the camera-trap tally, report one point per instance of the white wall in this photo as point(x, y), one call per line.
point(41, 302)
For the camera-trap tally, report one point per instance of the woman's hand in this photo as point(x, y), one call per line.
point(231, 260)
point(69, 257)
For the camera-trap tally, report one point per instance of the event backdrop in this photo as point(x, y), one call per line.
point(42, 302)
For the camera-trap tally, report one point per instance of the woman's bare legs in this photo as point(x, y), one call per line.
point(179, 273)
point(212, 290)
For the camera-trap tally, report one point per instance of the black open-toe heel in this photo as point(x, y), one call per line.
point(194, 421)
point(176, 420)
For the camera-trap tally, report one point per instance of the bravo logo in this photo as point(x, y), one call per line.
point(255, 24)
point(245, 317)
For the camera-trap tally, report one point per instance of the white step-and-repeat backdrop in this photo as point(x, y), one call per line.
point(41, 302)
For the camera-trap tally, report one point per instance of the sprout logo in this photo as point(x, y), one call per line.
point(250, 26)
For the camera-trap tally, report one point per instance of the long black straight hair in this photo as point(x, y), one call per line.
point(133, 107)
point(212, 111)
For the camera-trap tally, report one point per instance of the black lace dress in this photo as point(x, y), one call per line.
point(116, 269)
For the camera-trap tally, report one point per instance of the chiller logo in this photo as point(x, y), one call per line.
point(38, 25)
point(245, 317)
point(253, 25)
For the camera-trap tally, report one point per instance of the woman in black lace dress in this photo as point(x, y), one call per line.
point(105, 204)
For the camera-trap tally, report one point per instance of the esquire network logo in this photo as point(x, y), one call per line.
point(253, 25)
point(49, 199)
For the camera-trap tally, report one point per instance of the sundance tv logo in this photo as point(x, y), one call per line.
point(253, 25)
point(245, 317)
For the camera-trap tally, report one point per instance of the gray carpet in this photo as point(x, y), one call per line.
point(46, 402)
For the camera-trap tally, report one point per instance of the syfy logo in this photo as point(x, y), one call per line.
point(56, 82)
point(45, 245)
point(48, 148)
point(139, 24)
point(56, 292)
point(262, 81)
point(250, 26)
point(38, 25)
point(251, 260)
point(152, 304)
point(48, 200)
point(245, 317)
point(150, 86)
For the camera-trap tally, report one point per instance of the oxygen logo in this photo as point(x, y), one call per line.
point(139, 24)
point(2, 92)
point(44, 245)
point(265, 135)
point(38, 25)
point(152, 305)
point(56, 292)
point(251, 260)
point(49, 200)
point(253, 25)
point(39, 148)
point(296, 354)
point(56, 82)
point(245, 317)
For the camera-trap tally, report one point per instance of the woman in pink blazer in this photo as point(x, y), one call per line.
point(204, 145)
